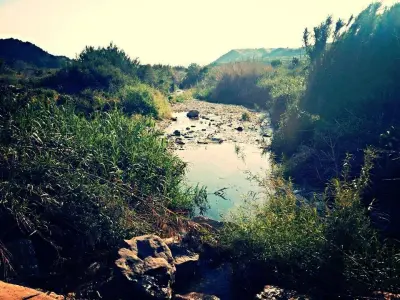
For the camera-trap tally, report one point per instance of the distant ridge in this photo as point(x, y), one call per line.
point(260, 54)
point(14, 51)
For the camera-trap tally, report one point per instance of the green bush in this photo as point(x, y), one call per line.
point(141, 99)
point(138, 100)
point(106, 69)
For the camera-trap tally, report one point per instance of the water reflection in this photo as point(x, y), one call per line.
point(224, 170)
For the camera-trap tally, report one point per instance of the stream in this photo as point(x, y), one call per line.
point(222, 151)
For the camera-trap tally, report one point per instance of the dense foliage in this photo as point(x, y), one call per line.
point(350, 102)
point(322, 246)
point(326, 110)
point(82, 166)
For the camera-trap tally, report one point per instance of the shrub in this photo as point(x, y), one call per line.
point(106, 69)
point(141, 99)
point(236, 83)
point(327, 248)
point(276, 63)
point(245, 116)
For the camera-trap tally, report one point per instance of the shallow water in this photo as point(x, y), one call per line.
point(224, 167)
point(219, 167)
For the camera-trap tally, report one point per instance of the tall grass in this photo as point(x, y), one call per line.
point(78, 186)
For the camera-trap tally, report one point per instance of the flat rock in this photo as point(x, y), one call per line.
point(16, 292)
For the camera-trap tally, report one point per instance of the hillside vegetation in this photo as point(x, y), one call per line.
point(260, 55)
point(20, 55)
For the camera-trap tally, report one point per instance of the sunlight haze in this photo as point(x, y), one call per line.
point(175, 32)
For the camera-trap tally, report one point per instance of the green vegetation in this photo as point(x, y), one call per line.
point(144, 100)
point(324, 111)
point(23, 55)
point(245, 116)
point(321, 246)
point(82, 166)
point(258, 55)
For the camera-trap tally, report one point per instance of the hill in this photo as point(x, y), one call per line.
point(17, 53)
point(261, 54)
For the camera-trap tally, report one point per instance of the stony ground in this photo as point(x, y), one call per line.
point(217, 123)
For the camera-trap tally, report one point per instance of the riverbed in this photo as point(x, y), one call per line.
point(223, 151)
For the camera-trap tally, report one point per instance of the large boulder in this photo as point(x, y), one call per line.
point(193, 114)
point(147, 266)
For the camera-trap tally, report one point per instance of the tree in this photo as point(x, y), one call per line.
point(195, 73)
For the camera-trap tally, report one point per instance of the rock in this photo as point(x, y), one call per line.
point(202, 142)
point(179, 141)
point(176, 133)
point(193, 114)
point(187, 128)
point(273, 292)
point(146, 267)
point(23, 258)
point(192, 125)
point(185, 260)
point(196, 296)
point(174, 119)
point(186, 266)
point(217, 140)
point(204, 129)
point(266, 135)
point(16, 292)
point(240, 128)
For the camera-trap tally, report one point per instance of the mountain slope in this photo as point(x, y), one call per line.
point(261, 54)
point(15, 52)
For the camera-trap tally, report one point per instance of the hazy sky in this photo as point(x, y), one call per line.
point(167, 31)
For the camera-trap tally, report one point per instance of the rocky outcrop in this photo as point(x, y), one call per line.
point(195, 296)
point(16, 292)
point(147, 266)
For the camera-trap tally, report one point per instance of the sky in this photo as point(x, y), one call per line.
point(175, 32)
